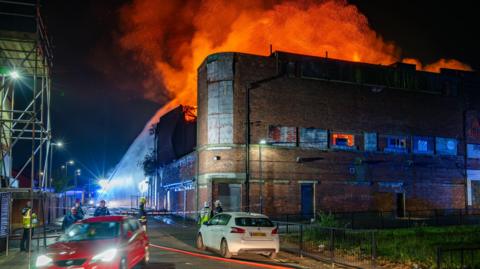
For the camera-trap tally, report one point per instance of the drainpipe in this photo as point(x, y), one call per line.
point(251, 86)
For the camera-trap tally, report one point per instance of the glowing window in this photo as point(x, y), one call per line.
point(343, 140)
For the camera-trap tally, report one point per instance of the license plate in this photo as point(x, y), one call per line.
point(257, 234)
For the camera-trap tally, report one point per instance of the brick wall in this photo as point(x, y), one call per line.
point(346, 180)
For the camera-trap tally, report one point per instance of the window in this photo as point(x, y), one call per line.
point(223, 219)
point(215, 220)
point(396, 144)
point(282, 136)
point(422, 145)
point(313, 138)
point(370, 141)
point(253, 222)
point(446, 146)
point(343, 141)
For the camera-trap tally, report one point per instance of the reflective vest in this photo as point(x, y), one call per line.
point(204, 215)
point(29, 219)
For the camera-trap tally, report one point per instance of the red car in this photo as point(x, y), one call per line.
point(109, 242)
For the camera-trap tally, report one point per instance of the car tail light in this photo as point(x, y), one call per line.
point(275, 231)
point(236, 230)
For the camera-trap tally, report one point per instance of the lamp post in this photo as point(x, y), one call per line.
point(260, 145)
point(66, 166)
point(50, 171)
point(78, 172)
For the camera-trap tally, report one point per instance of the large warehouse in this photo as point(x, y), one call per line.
point(294, 134)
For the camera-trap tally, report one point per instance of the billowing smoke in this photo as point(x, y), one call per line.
point(172, 38)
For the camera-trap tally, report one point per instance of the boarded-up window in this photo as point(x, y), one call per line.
point(370, 141)
point(282, 136)
point(422, 145)
point(220, 112)
point(446, 146)
point(220, 67)
point(313, 138)
point(343, 141)
point(473, 151)
point(396, 144)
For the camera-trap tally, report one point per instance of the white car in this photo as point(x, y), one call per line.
point(232, 233)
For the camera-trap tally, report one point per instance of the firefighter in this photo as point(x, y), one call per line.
point(205, 214)
point(142, 214)
point(102, 210)
point(29, 221)
point(218, 207)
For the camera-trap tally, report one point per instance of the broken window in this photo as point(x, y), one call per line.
point(396, 144)
point(343, 141)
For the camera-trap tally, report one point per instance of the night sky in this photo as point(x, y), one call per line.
point(98, 105)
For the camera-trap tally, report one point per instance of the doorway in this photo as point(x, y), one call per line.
point(230, 196)
point(307, 199)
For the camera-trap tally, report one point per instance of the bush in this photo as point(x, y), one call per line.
point(327, 220)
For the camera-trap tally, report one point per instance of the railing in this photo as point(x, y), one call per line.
point(354, 248)
point(392, 219)
point(461, 257)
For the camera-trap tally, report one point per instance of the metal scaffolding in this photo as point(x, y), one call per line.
point(25, 77)
point(25, 64)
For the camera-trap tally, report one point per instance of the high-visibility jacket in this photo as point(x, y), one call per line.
point(29, 219)
point(205, 215)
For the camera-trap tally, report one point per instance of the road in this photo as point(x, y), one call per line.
point(172, 247)
point(173, 244)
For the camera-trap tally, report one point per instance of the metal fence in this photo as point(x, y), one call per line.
point(461, 257)
point(392, 219)
point(355, 248)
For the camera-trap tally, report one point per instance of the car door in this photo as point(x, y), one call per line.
point(129, 242)
point(137, 246)
point(219, 230)
point(208, 233)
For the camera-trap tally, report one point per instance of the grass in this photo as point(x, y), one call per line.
point(407, 245)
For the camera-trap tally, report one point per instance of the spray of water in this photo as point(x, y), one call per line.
point(124, 183)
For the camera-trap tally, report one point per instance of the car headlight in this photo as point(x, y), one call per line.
point(43, 260)
point(106, 256)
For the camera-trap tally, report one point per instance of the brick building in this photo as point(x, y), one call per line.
point(325, 134)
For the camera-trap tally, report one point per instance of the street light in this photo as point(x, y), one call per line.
point(78, 172)
point(66, 166)
point(58, 144)
point(261, 143)
point(14, 74)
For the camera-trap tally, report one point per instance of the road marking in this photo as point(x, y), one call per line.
point(204, 256)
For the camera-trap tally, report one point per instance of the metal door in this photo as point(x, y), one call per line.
point(307, 199)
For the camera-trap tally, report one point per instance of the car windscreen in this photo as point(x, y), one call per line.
point(253, 222)
point(91, 231)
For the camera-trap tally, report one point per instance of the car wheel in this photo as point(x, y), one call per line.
point(146, 259)
point(123, 263)
point(199, 242)
point(224, 249)
point(272, 255)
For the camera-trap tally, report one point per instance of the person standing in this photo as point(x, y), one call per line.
point(205, 214)
point(70, 218)
point(29, 222)
point(142, 213)
point(218, 207)
point(102, 210)
point(78, 206)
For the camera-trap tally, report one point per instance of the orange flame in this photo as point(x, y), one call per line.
point(174, 37)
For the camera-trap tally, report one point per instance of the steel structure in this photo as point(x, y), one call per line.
point(25, 64)
point(25, 129)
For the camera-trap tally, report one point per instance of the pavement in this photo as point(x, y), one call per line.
point(173, 247)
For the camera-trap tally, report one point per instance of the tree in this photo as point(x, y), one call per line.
point(149, 163)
